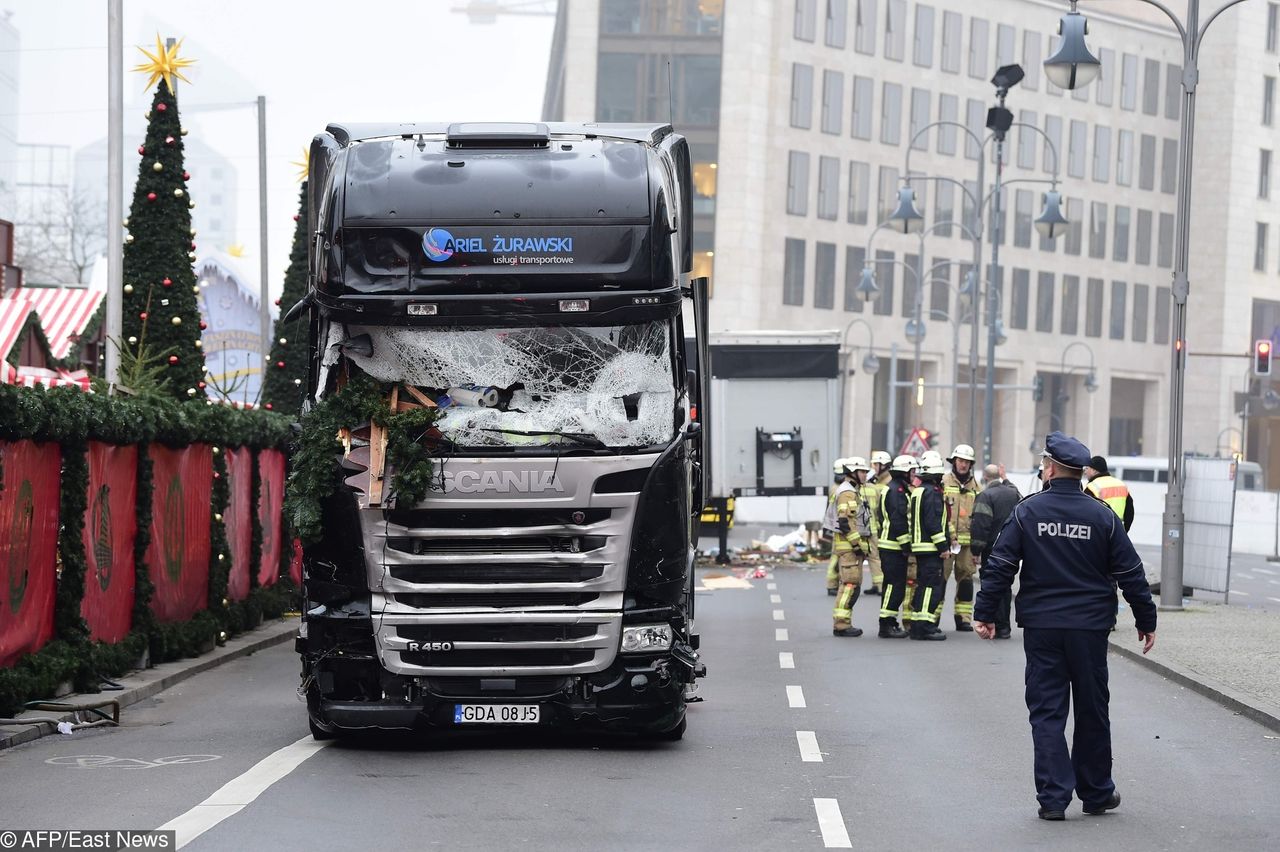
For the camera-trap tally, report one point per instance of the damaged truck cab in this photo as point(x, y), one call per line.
point(532, 283)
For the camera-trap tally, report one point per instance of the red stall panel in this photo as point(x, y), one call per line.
point(28, 546)
point(270, 514)
point(238, 519)
point(178, 558)
point(110, 526)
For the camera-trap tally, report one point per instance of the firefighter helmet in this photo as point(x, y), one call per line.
point(838, 467)
point(904, 464)
point(881, 457)
point(858, 463)
point(931, 462)
point(962, 451)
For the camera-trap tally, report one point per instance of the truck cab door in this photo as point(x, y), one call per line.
point(700, 392)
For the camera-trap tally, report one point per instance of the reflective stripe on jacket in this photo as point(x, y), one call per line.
point(960, 497)
point(847, 505)
point(894, 527)
point(928, 519)
point(1111, 491)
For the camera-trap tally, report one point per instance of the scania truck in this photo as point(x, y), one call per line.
point(532, 282)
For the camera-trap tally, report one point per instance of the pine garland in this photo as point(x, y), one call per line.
point(283, 387)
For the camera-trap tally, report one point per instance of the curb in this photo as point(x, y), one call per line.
point(241, 646)
point(1232, 699)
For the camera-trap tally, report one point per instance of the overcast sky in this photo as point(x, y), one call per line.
point(316, 61)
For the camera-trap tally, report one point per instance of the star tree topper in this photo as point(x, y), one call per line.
point(164, 63)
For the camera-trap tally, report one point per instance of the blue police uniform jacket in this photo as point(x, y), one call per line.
point(1072, 549)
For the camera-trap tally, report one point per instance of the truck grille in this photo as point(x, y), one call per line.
point(494, 632)
point(521, 600)
point(497, 657)
point(497, 544)
point(520, 573)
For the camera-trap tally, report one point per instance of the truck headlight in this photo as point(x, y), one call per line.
point(646, 638)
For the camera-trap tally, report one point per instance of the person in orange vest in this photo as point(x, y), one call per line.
point(1108, 489)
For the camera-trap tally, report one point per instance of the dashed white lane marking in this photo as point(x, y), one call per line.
point(1245, 576)
point(771, 586)
point(809, 752)
point(1277, 600)
point(1238, 592)
point(831, 824)
point(232, 797)
point(780, 634)
point(775, 598)
point(1266, 571)
point(779, 615)
point(795, 697)
point(1274, 582)
point(786, 660)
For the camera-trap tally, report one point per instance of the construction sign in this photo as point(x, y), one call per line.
point(916, 444)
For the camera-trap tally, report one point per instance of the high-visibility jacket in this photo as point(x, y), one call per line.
point(847, 506)
point(893, 530)
point(829, 518)
point(960, 497)
point(872, 496)
point(1115, 494)
point(928, 519)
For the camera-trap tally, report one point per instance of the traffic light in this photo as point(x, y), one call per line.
point(1037, 387)
point(929, 438)
point(1262, 358)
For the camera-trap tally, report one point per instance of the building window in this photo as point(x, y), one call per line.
point(1268, 100)
point(1031, 60)
point(891, 114)
point(801, 95)
point(979, 45)
point(1164, 303)
point(975, 118)
point(888, 193)
point(697, 85)
point(1075, 226)
point(1151, 87)
point(952, 24)
point(1105, 84)
point(829, 188)
point(859, 190)
point(1052, 144)
point(1076, 153)
point(1022, 218)
point(922, 46)
point(1093, 309)
point(1129, 82)
point(854, 259)
point(1273, 24)
point(948, 110)
point(1020, 295)
point(1124, 158)
point(1142, 242)
point(1117, 310)
point(864, 31)
point(1141, 295)
point(793, 273)
point(1044, 301)
point(1097, 229)
point(1164, 241)
point(1172, 92)
point(1101, 153)
point(886, 271)
point(919, 119)
point(1169, 167)
point(832, 101)
point(1264, 174)
point(940, 289)
point(966, 202)
point(798, 183)
point(863, 98)
point(1147, 162)
point(1027, 139)
point(1070, 304)
point(824, 276)
point(1120, 240)
point(944, 210)
point(1260, 247)
point(837, 23)
point(618, 87)
point(895, 30)
point(1006, 39)
point(806, 24)
point(911, 286)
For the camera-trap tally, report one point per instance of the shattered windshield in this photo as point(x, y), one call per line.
point(516, 387)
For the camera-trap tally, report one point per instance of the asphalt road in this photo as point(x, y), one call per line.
point(892, 744)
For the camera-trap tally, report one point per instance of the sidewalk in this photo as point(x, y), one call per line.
point(141, 685)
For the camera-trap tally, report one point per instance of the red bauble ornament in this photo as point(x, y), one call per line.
point(193, 246)
point(151, 196)
point(217, 475)
point(280, 365)
point(162, 106)
point(277, 303)
point(168, 140)
point(203, 325)
point(173, 359)
point(142, 315)
point(166, 282)
point(186, 175)
point(141, 149)
point(295, 217)
point(200, 385)
point(267, 406)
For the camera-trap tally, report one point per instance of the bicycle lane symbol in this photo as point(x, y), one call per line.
point(103, 761)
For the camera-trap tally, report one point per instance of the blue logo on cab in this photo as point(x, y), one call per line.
point(439, 245)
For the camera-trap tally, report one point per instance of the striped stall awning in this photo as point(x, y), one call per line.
point(13, 316)
point(29, 377)
point(64, 313)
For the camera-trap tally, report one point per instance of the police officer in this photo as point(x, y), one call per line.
point(1071, 550)
point(928, 544)
point(1109, 490)
point(871, 493)
point(829, 527)
point(990, 511)
point(960, 488)
point(850, 550)
point(893, 539)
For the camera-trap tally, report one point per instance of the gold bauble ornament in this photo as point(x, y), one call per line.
point(132, 340)
point(176, 320)
point(178, 193)
point(195, 290)
point(128, 239)
point(284, 341)
point(183, 131)
point(198, 344)
point(191, 255)
point(191, 205)
point(128, 288)
point(191, 391)
point(157, 166)
point(124, 222)
point(193, 232)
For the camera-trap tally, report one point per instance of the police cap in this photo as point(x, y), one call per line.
point(1066, 451)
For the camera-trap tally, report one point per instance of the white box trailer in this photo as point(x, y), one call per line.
point(775, 396)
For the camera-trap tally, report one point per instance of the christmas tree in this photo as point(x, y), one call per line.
point(286, 369)
point(161, 320)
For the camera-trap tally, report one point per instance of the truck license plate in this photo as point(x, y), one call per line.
point(497, 714)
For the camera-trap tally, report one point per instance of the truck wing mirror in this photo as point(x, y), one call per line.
point(693, 431)
point(297, 309)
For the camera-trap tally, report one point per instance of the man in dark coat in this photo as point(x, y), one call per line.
point(990, 511)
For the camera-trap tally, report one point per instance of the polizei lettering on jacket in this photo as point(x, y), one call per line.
point(1058, 529)
point(500, 481)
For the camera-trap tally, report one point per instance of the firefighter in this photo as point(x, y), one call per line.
point(880, 464)
point(960, 489)
point(929, 544)
point(850, 550)
point(893, 540)
point(871, 492)
point(829, 527)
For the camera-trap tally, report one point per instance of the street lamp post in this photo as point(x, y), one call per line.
point(870, 364)
point(1072, 66)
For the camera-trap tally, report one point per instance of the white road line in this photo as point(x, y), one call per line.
point(1238, 592)
point(1274, 582)
point(779, 615)
point(1277, 600)
point(775, 598)
point(795, 697)
point(780, 634)
point(229, 799)
point(1266, 571)
point(809, 752)
point(771, 586)
point(786, 660)
point(831, 824)
point(1244, 576)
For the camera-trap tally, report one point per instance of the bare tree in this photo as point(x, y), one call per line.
point(59, 240)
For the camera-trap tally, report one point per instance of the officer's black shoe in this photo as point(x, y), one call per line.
point(1052, 816)
point(889, 629)
point(1006, 633)
point(847, 631)
point(963, 626)
point(1109, 805)
point(874, 590)
point(832, 592)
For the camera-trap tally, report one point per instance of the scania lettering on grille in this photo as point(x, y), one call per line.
point(501, 481)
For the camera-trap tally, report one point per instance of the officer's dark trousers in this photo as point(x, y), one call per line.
point(894, 565)
point(1066, 668)
point(930, 587)
point(1003, 606)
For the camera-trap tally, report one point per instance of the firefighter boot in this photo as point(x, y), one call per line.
point(844, 613)
point(925, 631)
point(889, 629)
point(963, 626)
